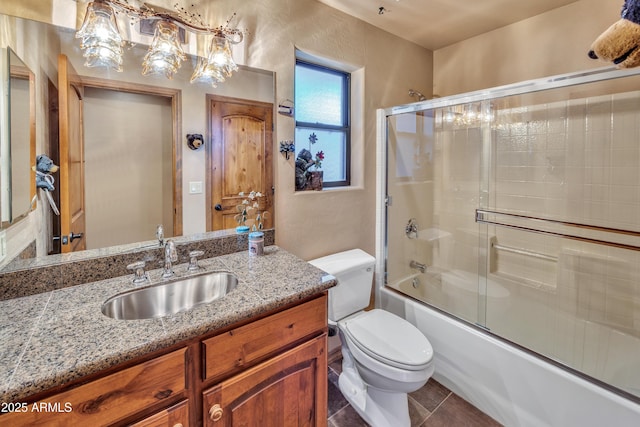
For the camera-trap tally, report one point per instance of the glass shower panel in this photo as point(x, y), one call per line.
point(566, 164)
point(434, 163)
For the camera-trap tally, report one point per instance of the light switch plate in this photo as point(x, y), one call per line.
point(195, 187)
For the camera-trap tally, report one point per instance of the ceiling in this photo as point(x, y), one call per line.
point(434, 24)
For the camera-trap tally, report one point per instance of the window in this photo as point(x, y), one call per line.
point(322, 120)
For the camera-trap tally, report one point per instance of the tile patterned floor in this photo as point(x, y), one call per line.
point(432, 406)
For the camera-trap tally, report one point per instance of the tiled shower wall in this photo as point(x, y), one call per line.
point(576, 161)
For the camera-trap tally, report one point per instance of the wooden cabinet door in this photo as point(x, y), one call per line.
point(177, 415)
point(287, 390)
point(110, 399)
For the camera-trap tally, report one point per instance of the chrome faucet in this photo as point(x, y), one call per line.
point(418, 266)
point(170, 256)
point(160, 234)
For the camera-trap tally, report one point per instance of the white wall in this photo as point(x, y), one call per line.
point(128, 167)
point(551, 43)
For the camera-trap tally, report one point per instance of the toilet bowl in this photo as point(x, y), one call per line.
point(384, 356)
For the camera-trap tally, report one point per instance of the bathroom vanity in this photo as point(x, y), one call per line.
point(258, 353)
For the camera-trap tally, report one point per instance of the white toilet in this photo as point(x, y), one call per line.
point(384, 356)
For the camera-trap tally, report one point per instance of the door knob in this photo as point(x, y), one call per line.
point(72, 236)
point(218, 207)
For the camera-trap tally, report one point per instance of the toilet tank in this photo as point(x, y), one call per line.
point(354, 271)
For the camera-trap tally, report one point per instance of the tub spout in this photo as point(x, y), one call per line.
point(418, 266)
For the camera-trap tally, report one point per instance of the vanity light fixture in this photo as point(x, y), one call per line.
point(165, 54)
point(102, 43)
point(218, 64)
point(100, 38)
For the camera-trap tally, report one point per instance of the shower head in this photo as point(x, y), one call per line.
point(418, 95)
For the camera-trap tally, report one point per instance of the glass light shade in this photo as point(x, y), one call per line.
point(101, 41)
point(217, 65)
point(165, 54)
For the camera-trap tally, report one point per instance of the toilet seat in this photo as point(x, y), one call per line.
point(389, 339)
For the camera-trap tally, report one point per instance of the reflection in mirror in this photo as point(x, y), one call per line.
point(129, 122)
point(22, 139)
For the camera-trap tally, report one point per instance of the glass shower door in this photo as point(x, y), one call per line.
point(434, 173)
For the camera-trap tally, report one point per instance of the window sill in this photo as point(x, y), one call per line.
point(329, 190)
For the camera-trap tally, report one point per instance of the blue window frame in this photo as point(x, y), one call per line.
point(322, 119)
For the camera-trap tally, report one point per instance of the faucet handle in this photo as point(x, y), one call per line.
point(139, 275)
point(193, 260)
point(411, 229)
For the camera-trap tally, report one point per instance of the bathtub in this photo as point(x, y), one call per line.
point(514, 387)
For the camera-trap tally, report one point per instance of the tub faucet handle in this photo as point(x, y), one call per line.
point(411, 229)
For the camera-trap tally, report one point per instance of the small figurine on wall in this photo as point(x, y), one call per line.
point(43, 168)
point(195, 140)
point(287, 147)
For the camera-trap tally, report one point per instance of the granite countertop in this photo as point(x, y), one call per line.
point(52, 338)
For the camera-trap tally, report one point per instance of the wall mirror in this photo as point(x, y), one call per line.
point(126, 162)
point(22, 122)
point(18, 146)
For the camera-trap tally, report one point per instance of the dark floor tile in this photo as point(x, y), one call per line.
point(333, 376)
point(455, 411)
point(347, 417)
point(336, 400)
point(417, 413)
point(431, 394)
point(336, 366)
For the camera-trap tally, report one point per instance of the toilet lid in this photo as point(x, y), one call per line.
point(390, 339)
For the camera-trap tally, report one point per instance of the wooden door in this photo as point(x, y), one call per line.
point(287, 390)
point(72, 209)
point(239, 159)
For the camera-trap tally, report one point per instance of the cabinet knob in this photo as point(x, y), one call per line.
point(215, 413)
